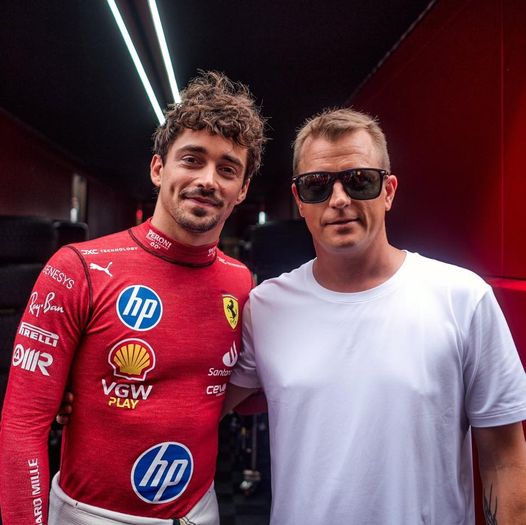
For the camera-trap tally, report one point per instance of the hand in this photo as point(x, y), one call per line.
point(65, 410)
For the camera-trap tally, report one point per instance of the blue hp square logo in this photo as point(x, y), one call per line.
point(139, 307)
point(162, 473)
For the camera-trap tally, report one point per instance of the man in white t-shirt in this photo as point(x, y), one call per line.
point(379, 364)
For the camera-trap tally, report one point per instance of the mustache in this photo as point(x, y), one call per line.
point(203, 193)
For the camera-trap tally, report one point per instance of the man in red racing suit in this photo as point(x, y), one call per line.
point(143, 327)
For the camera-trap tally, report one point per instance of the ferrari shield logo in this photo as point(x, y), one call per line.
point(231, 309)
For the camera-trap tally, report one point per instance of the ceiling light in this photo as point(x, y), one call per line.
point(164, 50)
point(136, 60)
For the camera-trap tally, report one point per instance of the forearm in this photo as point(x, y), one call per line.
point(503, 472)
point(235, 395)
point(504, 496)
point(24, 475)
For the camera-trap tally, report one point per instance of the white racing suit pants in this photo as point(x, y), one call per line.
point(65, 510)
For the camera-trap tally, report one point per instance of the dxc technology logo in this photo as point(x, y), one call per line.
point(139, 307)
point(162, 473)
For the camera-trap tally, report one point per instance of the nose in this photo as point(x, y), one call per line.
point(207, 177)
point(339, 197)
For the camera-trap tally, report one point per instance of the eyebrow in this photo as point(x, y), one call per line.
point(193, 148)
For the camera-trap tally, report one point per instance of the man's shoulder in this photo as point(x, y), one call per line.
point(231, 263)
point(114, 243)
point(444, 273)
point(288, 281)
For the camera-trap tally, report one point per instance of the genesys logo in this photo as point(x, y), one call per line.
point(45, 306)
point(132, 359)
point(32, 360)
point(38, 334)
point(162, 473)
point(139, 307)
point(58, 275)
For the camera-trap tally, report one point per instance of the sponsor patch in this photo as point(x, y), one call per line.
point(58, 275)
point(105, 269)
point(132, 359)
point(230, 358)
point(139, 307)
point(162, 473)
point(38, 334)
point(157, 241)
point(36, 489)
point(36, 307)
point(231, 309)
point(97, 251)
point(30, 359)
point(216, 390)
point(123, 395)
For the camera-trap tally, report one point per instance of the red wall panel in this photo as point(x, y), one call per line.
point(452, 101)
point(514, 139)
point(438, 97)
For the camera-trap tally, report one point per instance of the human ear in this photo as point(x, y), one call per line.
point(391, 184)
point(156, 169)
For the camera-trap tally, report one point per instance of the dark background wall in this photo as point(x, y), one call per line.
point(36, 179)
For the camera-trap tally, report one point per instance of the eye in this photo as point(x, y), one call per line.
point(190, 160)
point(229, 172)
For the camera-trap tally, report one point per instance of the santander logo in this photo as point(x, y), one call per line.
point(230, 358)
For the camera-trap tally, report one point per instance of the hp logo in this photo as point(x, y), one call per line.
point(162, 473)
point(139, 307)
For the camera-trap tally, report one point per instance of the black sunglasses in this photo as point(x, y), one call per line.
point(359, 183)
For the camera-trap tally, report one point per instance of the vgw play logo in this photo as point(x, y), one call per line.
point(139, 307)
point(162, 473)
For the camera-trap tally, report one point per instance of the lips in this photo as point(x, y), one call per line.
point(199, 198)
point(341, 222)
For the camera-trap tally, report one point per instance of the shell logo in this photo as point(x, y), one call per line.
point(132, 359)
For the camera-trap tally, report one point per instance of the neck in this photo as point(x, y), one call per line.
point(356, 272)
point(174, 231)
point(163, 245)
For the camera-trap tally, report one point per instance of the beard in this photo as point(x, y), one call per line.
point(195, 220)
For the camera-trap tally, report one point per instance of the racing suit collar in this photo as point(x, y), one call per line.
point(159, 244)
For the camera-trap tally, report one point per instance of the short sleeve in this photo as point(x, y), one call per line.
point(495, 377)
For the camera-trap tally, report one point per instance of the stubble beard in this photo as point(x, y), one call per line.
point(195, 220)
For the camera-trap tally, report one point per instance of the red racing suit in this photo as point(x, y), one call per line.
point(145, 332)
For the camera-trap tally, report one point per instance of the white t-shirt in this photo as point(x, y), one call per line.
point(371, 394)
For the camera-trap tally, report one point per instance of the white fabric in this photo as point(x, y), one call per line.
point(371, 394)
point(65, 510)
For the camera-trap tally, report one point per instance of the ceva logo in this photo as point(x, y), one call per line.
point(162, 473)
point(139, 307)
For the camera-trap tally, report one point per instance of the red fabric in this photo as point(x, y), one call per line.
point(175, 394)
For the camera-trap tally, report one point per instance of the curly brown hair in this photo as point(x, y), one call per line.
point(213, 102)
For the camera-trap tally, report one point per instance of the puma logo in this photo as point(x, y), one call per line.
point(94, 266)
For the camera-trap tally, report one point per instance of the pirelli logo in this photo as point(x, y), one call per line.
point(38, 334)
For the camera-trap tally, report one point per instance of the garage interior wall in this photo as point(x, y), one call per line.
point(37, 177)
point(452, 102)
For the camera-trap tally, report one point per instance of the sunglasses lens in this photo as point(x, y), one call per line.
point(363, 184)
point(314, 187)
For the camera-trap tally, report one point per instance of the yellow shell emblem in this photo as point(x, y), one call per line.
point(132, 359)
point(231, 309)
